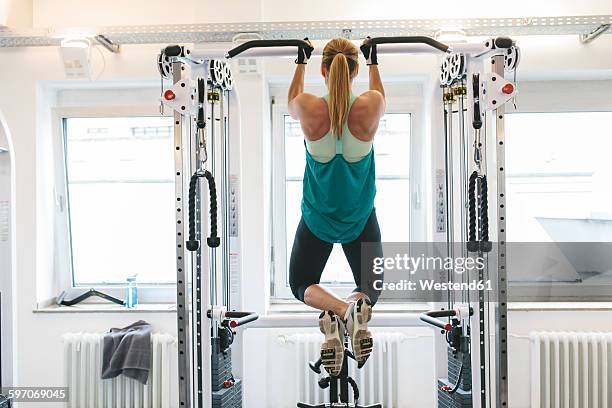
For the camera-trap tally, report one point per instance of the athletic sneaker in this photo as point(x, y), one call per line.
point(332, 349)
point(357, 317)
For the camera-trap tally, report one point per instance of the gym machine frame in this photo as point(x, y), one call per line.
point(177, 57)
point(195, 99)
point(489, 93)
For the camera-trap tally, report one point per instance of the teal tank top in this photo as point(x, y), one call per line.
point(338, 195)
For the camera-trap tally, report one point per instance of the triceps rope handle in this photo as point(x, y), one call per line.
point(213, 240)
point(472, 207)
point(478, 209)
point(483, 210)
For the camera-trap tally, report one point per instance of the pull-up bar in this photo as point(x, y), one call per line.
point(282, 48)
point(249, 45)
point(402, 45)
point(410, 40)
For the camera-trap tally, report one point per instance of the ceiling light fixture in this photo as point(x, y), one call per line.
point(451, 36)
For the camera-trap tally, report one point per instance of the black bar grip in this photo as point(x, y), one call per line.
point(236, 319)
point(431, 318)
point(266, 44)
point(173, 51)
point(410, 40)
point(213, 240)
point(477, 122)
point(503, 42)
point(435, 322)
point(441, 313)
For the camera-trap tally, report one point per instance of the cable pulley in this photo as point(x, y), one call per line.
point(228, 79)
point(217, 70)
point(512, 58)
point(164, 66)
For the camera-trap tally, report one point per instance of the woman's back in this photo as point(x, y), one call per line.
point(362, 121)
point(325, 148)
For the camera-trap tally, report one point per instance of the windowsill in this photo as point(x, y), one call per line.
point(108, 308)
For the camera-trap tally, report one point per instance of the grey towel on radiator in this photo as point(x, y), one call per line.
point(127, 351)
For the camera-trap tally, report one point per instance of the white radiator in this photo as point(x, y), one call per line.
point(377, 380)
point(83, 367)
point(571, 370)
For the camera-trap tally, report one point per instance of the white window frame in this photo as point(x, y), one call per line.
point(280, 291)
point(578, 100)
point(147, 293)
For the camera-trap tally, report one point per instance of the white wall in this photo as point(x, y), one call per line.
point(63, 13)
point(6, 278)
point(275, 10)
point(16, 13)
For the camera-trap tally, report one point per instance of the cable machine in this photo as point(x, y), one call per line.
point(474, 323)
point(200, 105)
point(199, 97)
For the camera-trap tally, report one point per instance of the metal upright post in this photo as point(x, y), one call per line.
point(197, 305)
point(214, 286)
point(225, 158)
point(182, 304)
point(463, 171)
point(450, 206)
point(501, 309)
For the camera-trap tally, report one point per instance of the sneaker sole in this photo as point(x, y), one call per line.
point(332, 349)
point(363, 343)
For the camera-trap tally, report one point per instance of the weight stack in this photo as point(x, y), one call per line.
point(228, 397)
point(458, 399)
point(462, 397)
point(223, 396)
point(455, 361)
point(221, 366)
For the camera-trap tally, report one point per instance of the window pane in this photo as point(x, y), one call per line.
point(558, 170)
point(392, 145)
point(392, 209)
point(121, 199)
point(392, 153)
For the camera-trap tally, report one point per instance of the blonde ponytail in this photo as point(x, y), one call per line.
point(339, 84)
point(340, 57)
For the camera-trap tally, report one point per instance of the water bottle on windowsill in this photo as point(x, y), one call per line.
point(131, 292)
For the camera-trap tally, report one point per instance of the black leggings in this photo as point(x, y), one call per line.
point(309, 256)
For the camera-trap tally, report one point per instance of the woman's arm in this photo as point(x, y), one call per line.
point(375, 97)
point(376, 94)
point(296, 89)
point(375, 81)
point(298, 101)
point(370, 106)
